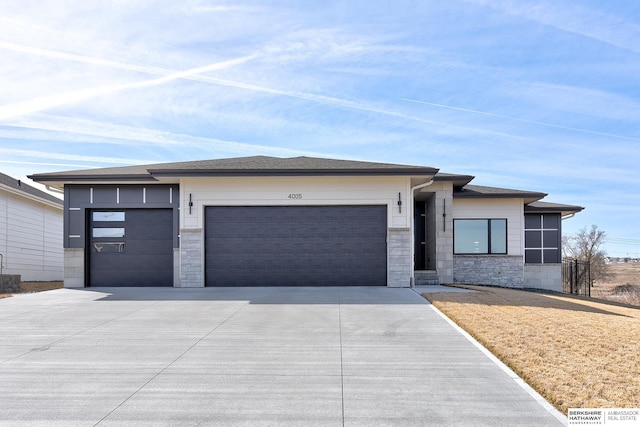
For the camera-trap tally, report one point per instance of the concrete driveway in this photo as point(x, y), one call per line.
point(249, 356)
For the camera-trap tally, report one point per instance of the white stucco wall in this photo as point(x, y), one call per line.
point(30, 238)
point(305, 191)
point(501, 270)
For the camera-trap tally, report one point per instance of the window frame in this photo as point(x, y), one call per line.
point(108, 216)
point(541, 230)
point(489, 236)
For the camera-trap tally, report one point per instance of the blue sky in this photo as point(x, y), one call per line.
point(537, 95)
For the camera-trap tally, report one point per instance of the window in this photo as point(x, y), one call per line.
point(542, 239)
point(109, 216)
point(108, 247)
point(480, 236)
point(108, 232)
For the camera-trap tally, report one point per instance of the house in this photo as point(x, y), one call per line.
point(30, 232)
point(266, 221)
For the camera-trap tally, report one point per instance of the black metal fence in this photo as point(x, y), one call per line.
point(576, 277)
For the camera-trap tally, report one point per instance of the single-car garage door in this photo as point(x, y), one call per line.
point(131, 247)
point(296, 246)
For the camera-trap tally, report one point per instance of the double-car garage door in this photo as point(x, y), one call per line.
point(295, 246)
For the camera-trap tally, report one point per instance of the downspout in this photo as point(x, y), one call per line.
point(412, 280)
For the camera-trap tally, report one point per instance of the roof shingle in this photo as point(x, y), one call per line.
point(241, 166)
point(18, 185)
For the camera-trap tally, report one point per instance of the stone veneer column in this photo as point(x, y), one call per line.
point(444, 235)
point(74, 268)
point(400, 265)
point(191, 258)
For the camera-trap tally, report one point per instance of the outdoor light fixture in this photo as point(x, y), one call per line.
point(444, 215)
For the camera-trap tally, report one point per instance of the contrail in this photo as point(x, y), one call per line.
point(534, 122)
point(195, 75)
point(48, 102)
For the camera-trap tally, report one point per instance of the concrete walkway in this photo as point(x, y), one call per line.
point(248, 356)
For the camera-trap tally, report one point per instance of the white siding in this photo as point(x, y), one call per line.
point(511, 209)
point(3, 229)
point(30, 238)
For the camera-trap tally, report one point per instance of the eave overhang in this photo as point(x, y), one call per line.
point(257, 166)
point(480, 192)
point(548, 207)
point(427, 172)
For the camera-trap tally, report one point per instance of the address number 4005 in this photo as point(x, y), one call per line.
point(295, 196)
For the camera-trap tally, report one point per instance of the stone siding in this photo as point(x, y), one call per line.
point(399, 247)
point(191, 258)
point(543, 276)
point(74, 268)
point(506, 271)
point(9, 283)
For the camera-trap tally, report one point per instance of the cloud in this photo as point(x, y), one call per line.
point(580, 100)
point(196, 74)
point(48, 102)
point(39, 154)
point(548, 96)
point(576, 18)
point(134, 137)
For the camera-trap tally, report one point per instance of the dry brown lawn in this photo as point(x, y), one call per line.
point(26, 287)
point(624, 286)
point(576, 352)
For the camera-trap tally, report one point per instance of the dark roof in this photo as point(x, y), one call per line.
point(542, 207)
point(459, 181)
point(20, 186)
point(481, 192)
point(241, 166)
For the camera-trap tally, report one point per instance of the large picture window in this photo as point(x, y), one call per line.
point(480, 236)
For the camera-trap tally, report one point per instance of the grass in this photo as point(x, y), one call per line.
point(27, 287)
point(623, 287)
point(576, 352)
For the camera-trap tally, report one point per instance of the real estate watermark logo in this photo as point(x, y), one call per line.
point(604, 417)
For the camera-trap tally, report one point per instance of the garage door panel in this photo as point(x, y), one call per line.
point(149, 247)
point(146, 257)
point(291, 246)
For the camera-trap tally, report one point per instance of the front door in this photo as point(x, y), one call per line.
point(420, 230)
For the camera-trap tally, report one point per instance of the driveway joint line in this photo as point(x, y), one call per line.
point(170, 363)
point(49, 344)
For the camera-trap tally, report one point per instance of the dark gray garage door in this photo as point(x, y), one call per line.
point(132, 247)
point(296, 246)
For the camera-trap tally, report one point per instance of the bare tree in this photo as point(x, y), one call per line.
point(586, 246)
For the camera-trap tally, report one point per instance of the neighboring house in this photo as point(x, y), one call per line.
point(263, 221)
point(30, 232)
